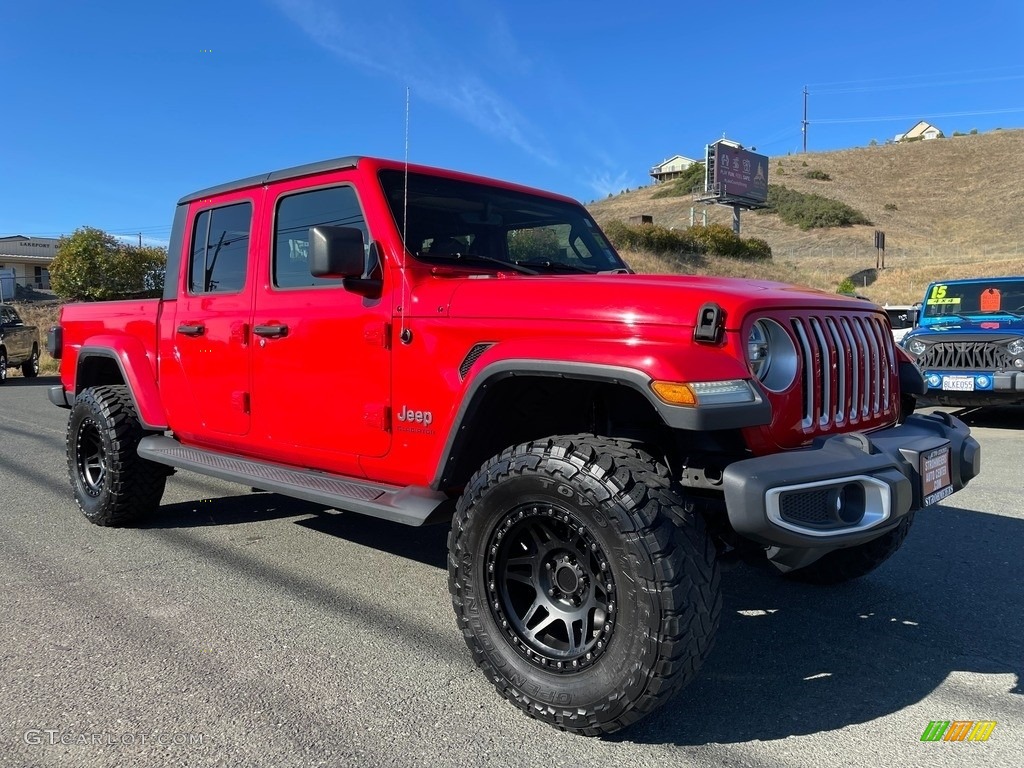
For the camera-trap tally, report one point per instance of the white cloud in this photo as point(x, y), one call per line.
point(604, 183)
point(432, 70)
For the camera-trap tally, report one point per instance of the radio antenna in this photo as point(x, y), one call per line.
point(406, 334)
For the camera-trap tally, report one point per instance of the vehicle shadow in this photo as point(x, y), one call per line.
point(996, 416)
point(792, 659)
point(38, 381)
point(427, 545)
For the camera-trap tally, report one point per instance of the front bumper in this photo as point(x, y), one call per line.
point(1008, 382)
point(847, 489)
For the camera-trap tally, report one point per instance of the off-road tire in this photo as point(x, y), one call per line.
point(112, 484)
point(843, 565)
point(3, 366)
point(646, 618)
point(30, 368)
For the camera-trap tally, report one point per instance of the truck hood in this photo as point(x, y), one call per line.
point(992, 324)
point(631, 299)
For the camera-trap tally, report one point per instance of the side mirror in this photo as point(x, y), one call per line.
point(336, 252)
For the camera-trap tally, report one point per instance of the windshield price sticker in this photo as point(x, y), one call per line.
point(936, 478)
point(937, 295)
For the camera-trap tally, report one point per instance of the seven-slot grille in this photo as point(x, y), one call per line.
point(846, 366)
point(966, 356)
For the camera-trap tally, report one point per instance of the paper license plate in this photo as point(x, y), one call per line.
point(958, 383)
point(936, 478)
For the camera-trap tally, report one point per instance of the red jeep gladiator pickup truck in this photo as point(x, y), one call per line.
point(418, 344)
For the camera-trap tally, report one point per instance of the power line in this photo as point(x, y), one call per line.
point(911, 86)
point(840, 120)
point(906, 77)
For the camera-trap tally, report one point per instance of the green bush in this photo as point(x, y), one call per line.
point(819, 175)
point(810, 211)
point(714, 239)
point(846, 286)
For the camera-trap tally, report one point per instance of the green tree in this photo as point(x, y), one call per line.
point(538, 244)
point(92, 265)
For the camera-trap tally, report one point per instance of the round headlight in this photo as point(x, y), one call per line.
point(1016, 347)
point(759, 350)
point(771, 355)
point(916, 347)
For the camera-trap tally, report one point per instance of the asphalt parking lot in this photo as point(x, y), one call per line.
point(247, 629)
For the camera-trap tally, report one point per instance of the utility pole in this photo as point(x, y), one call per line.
point(140, 239)
point(803, 125)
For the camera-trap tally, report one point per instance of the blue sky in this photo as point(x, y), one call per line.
point(113, 110)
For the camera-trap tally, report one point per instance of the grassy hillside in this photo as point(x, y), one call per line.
point(949, 209)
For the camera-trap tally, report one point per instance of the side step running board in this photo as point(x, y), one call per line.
point(411, 505)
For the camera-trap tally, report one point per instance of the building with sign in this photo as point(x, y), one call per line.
point(28, 259)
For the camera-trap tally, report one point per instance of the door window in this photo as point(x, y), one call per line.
point(220, 249)
point(333, 206)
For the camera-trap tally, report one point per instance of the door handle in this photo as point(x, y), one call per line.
point(271, 331)
point(191, 330)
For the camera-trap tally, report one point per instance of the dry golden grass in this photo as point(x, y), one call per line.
point(41, 315)
point(956, 216)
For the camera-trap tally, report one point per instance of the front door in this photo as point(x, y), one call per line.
point(321, 364)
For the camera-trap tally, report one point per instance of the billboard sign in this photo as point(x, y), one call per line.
point(738, 173)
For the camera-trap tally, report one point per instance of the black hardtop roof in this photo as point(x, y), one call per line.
point(337, 164)
point(345, 163)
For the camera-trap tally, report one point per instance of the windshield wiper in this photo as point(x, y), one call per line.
point(559, 265)
point(514, 266)
point(949, 316)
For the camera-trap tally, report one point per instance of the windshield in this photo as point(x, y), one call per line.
point(984, 297)
point(483, 226)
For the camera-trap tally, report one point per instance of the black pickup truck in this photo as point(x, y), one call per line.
point(19, 344)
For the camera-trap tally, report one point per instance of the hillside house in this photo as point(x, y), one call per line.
point(671, 169)
point(923, 131)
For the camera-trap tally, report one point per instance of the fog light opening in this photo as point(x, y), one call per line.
point(849, 503)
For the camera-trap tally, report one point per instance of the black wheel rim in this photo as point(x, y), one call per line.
point(90, 458)
point(550, 587)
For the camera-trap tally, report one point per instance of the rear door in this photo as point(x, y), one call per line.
point(211, 328)
point(321, 363)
